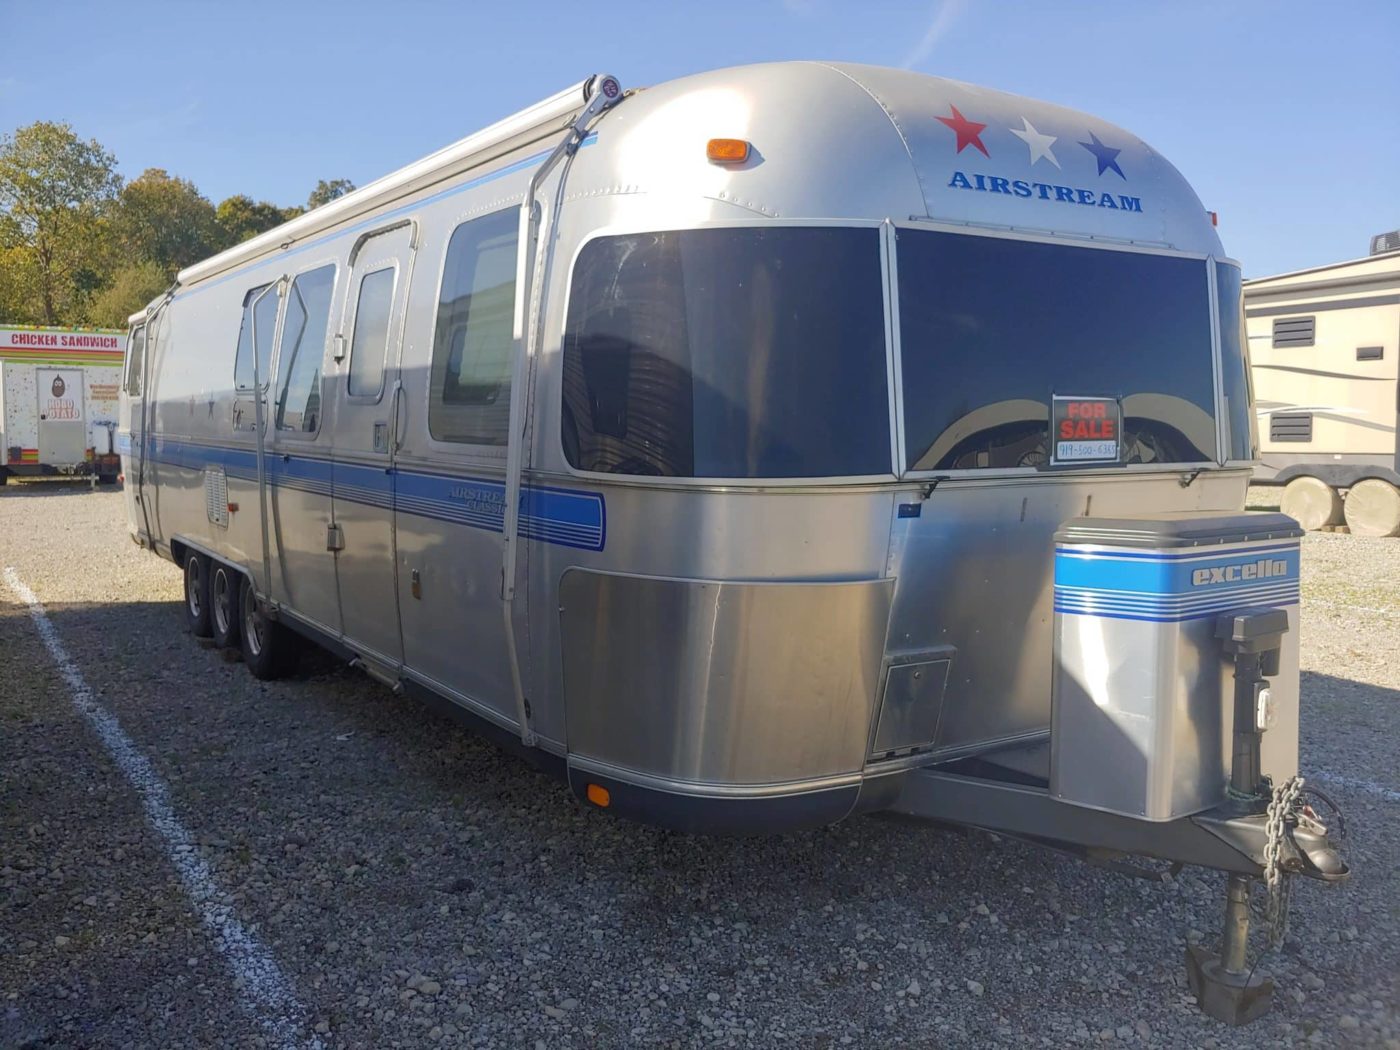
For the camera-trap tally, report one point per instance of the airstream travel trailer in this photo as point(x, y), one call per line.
point(1324, 345)
point(58, 401)
point(766, 447)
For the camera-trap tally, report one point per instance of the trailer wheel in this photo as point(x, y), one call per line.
point(268, 649)
point(1313, 502)
point(197, 594)
point(1373, 508)
point(224, 585)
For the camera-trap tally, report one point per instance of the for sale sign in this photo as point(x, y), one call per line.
point(1086, 429)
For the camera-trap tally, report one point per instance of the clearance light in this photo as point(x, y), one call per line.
point(727, 151)
point(599, 796)
point(1214, 218)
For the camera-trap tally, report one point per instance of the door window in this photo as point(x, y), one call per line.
point(302, 349)
point(265, 316)
point(369, 343)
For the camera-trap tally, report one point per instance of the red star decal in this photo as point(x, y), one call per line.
point(967, 130)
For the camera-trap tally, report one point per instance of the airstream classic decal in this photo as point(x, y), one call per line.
point(564, 517)
point(1041, 146)
point(1169, 588)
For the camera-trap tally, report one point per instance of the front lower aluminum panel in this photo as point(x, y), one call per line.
point(1142, 693)
point(704, 682)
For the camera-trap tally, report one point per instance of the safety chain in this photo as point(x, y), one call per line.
point(1276, 883)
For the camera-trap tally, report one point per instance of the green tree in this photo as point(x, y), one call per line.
point(54, 188)
point(327, 191)
point(241, 217)
point(131, 288)
point(165, 221)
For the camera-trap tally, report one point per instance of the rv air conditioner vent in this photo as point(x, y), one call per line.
point(1294, 331)
point(1292, 426)
point(1385, 242)
point(216, 495)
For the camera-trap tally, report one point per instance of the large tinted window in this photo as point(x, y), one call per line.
point(743, 353)
point(992, 328)
point(469, 396)
point(1242, 430)
point(302, 347)
point(265, 316)
point(369, 343)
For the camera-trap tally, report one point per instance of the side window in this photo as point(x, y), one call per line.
point(301, 350)
point(135, 360)
point(266, 326)
point(369, 343)
point(1242, 435)
point(469, 395)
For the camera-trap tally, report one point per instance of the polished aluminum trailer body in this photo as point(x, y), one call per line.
point(700, 616)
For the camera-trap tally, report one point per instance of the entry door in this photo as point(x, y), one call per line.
point(62, 426)
point(300, 467)
point(362, 472)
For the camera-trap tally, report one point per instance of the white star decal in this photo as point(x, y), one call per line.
point(1039, 144)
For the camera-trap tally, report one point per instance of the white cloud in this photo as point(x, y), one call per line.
point(945, 14)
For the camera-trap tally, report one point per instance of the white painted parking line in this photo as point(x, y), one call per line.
point(1369, 786)
point(263, 988)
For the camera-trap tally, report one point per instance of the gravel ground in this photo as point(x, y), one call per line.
point(419, 888)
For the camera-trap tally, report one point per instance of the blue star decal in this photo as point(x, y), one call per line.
point(1107, 156)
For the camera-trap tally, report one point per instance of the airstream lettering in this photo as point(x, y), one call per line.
point(703, 443)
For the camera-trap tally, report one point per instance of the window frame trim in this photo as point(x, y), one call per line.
point(495, 453)
point(333, 261)
point(367, 270)
point(1206, 259)
point(560, 331)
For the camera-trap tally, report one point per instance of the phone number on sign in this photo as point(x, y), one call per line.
point(1071, 450)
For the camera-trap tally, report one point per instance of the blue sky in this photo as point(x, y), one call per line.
point(1284, 115)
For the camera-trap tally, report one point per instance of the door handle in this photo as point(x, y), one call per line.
point(398, 414)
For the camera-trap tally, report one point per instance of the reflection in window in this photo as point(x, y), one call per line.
point(991, 328)
point(266, 318)
point(748, 353)
point(369, 343)
point(301, 350)
point(469, 395)
point(1234, 365)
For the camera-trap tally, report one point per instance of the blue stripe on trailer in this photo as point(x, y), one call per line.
point(560, 516)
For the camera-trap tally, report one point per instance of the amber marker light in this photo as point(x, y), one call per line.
point(599, 796)
point(727, 151)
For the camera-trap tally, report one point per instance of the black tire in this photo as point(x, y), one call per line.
point(225, 586)
point(197, 594)
point(268, 648)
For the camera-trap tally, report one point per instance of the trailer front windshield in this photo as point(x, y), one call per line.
point(992, 328)
point(749, 352)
